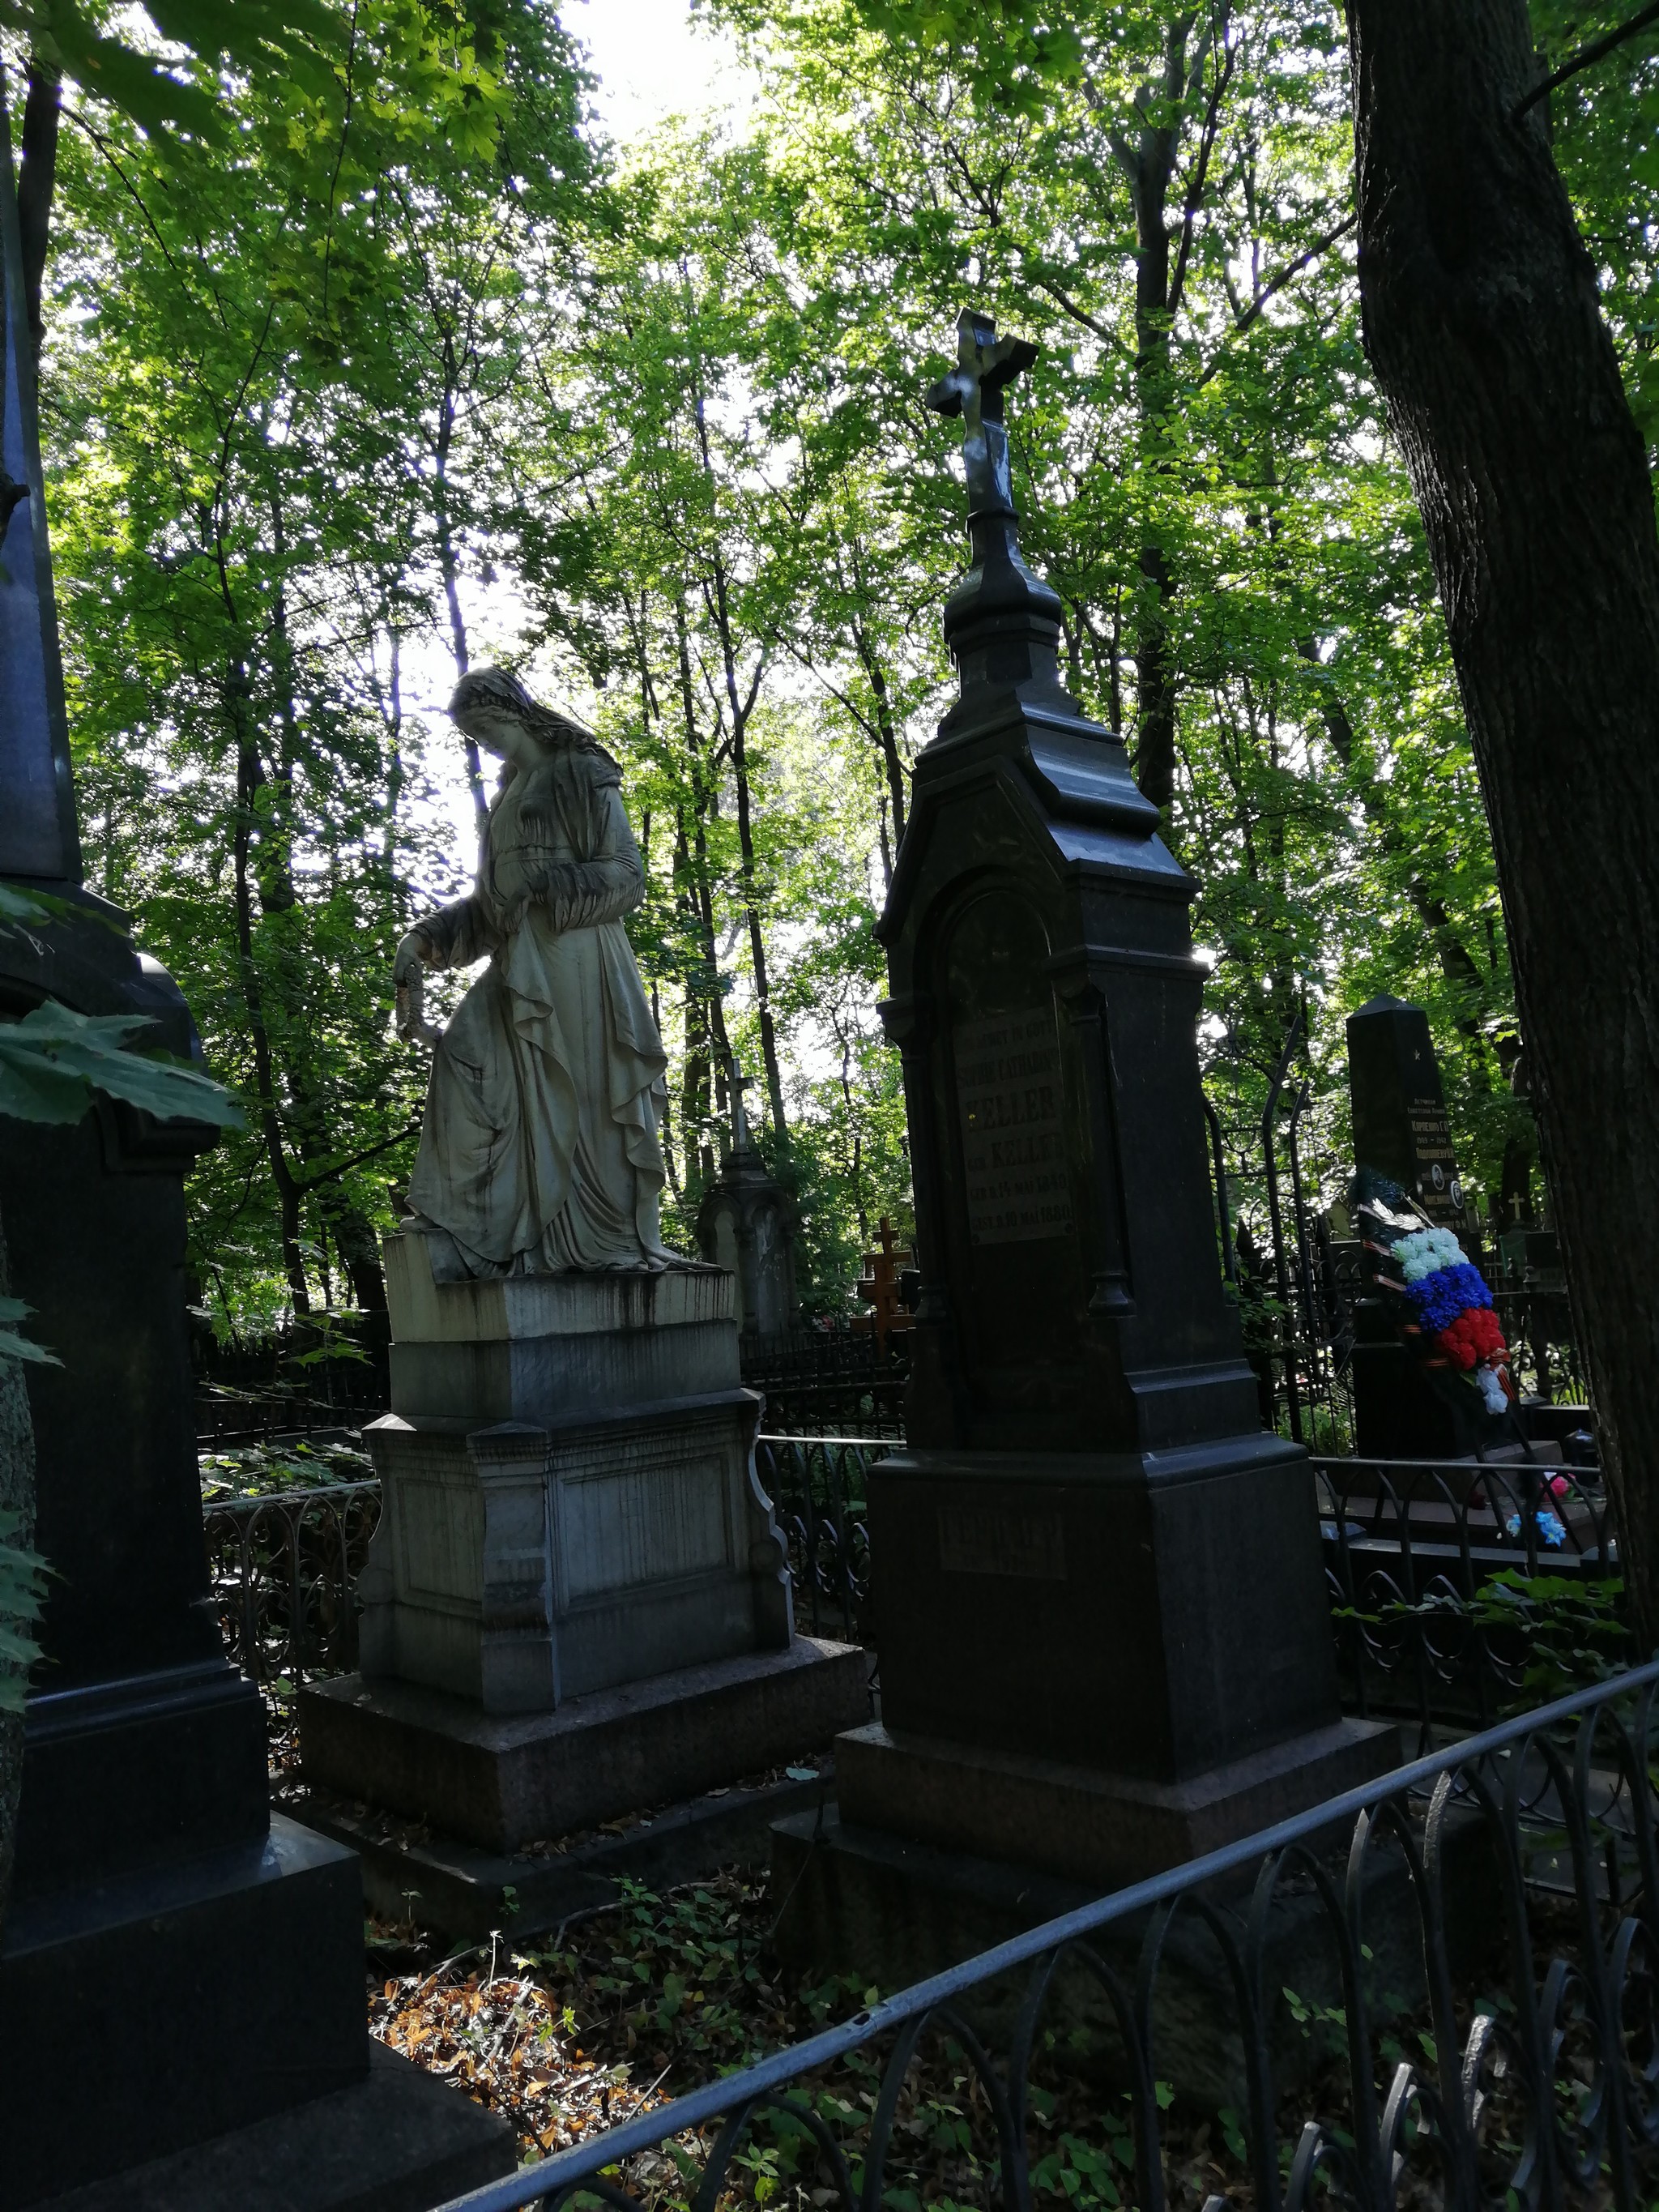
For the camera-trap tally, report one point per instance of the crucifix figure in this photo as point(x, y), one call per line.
point(973, 389)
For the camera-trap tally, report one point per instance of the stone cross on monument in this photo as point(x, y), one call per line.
point(986, 365)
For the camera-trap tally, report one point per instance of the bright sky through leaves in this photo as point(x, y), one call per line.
point(653, 58)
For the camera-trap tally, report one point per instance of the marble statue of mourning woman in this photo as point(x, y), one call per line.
point(538, 1148)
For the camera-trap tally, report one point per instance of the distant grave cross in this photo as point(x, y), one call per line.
point(986, 364)
point(740, 1083)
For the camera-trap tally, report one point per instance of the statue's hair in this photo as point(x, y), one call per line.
point(500, 687)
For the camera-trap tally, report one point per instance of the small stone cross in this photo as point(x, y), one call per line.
point(740, 1083)
point(974, 388)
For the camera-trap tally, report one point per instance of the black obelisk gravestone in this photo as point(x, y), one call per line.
point(175, 1963)
point(1399, 1108)
point(1400, 1131)
point(1089, 1562)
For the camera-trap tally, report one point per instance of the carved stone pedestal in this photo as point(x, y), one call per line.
point(577, 1600)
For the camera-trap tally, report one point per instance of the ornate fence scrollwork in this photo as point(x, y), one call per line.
point(1412, 1549)
point(1533, 2079)
point(284, 1570)
point(818, 1489)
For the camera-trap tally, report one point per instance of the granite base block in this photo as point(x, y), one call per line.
point(859, 1901)
point(466, 1894)
point(175, 2004)
point(1102, 1829)
point(505, 1781)
point(398, 2141)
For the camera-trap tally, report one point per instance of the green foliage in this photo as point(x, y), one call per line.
point(1573, 1631)
point(265, 1470)
point(52, 1059)
point(398, 364)
point(297, 40)
point(13, 1346)
point(22, 1588)
point(1563, 1633)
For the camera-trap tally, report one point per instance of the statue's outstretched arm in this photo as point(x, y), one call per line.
point(456, 935)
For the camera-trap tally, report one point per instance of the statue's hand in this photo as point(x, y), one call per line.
point(408, 983)
point(413, 955)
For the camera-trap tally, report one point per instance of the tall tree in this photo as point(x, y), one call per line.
point(1484, 327)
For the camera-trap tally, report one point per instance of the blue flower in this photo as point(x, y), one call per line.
point(1439, 1299)
point(1549, 1525)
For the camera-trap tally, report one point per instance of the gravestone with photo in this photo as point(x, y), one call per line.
point(182, 1971)
point(1104, 1638)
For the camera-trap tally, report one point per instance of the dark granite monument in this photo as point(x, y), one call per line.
point(1400, 1109)
point(1103, 1631)
point(1399, 1131)
point(177, 1963)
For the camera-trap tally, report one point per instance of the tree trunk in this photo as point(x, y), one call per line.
point(1149, 165)
point(35, 182)
point(1485, 332)
point(886, 733)
point(16, 1496)
point(249, 775)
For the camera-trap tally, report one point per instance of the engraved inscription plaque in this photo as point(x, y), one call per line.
point(978, 1540)
point(1439, 1191)
point(1008, 1087)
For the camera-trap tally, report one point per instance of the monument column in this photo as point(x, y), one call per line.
point(1100, 1603)
point(209, 1954)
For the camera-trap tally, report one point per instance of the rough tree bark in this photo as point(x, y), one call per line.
point(17, 1496)
point(36, 181)
point(1483, 327)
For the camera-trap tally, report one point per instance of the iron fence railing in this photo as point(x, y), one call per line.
point(819, 1489)
point(1504, 2053)
point(284, 1570)
point(283, 1567)
point(240, 1417)
point(1428, 1565)
point(1442, 1576)
point(834, 1382)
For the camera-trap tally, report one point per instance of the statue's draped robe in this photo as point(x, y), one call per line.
point(538, 1150)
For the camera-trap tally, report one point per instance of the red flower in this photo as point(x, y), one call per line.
point(1473, 1337)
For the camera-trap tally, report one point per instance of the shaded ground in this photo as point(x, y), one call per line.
point(636, 2005)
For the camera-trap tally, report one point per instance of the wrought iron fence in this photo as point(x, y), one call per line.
point(284, 1567)
point(841, 1382)
point(225, 1416)
point(1450, 1582)
point(283, 1570)
point(819, 1489)
point(1517, 2065)
point(1453, 1584)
